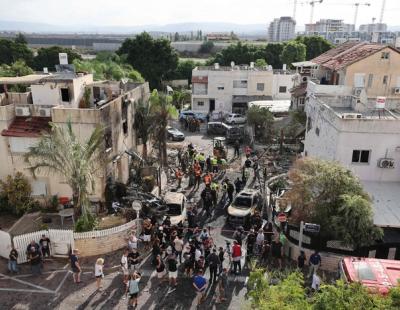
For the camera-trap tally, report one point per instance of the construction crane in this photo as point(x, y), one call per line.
point(357, 5)
point(382, 11)
point(312, 3)
point(294, 9)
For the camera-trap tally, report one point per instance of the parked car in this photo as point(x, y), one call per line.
point(235, 119)
point(202, 117)
point(245, 204)
point(185, 114)
point(175, 134)
point(176, 208)
point(217, 128)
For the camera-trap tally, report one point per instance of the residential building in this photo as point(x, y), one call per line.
point(375, 27)
point(59, 98)
point(229, 89)
point(329, 25)
point(281, 29)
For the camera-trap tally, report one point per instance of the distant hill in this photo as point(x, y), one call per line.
point(178, 27)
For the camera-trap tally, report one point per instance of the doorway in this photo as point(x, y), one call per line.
point(212, 105)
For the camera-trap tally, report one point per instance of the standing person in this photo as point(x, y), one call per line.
point(160, 268)
point(172, 270)
point(268, 232)
point(221, 256)
point(247, 151)
point(133, 260)
point(133, 288)
point(147, 230)
point(276, 251)
point(12, 260)
point(214, 164)
point(260, 240)
point(98, 272)
point(237, 148)
point(222, 286)
point(178, 246)
point(214, 192)
point(200, 285)
point(132, 241)
point(238, 235)
point(301, 259)
point(208, 164)
point(236, 256)
point(238, 185)
point(197, 176)
point(35, 261)
point(75, 266)
point(45, 246)
point(213, 263)
point(314, 262)
point(178, 176)
point(251, 240)
point(230, 190)
point(265, 252)
point(125, 266)
point(206, 196)
point(202, 161)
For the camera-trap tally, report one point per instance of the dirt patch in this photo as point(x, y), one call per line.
point(7, 221)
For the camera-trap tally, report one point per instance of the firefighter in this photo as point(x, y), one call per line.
point(214, 164)
point(197, 175)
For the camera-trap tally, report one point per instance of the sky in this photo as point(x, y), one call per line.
point(160, 12)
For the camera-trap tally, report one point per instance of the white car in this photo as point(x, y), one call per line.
point(235, 119)
point(176, 209)
point(245, 204)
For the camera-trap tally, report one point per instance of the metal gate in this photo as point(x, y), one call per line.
point(62, 242)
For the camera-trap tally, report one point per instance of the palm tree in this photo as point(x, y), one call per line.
point(162, 111)
point(143, 123)
point(60, 152)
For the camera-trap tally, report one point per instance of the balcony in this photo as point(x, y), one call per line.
point(333, 90)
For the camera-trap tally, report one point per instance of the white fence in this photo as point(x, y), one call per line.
point(5, 244)
point(61, 240)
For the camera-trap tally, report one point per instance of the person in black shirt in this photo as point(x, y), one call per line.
point(172, 270)
point(221, 256)
point(75, 266)
point(268, 232)
point(133, 260)
point(251, 239)
point(213, 263)
point(45, 246)
point(12, 262)
point(35, 261)
point(276, 251)
point(301, 259)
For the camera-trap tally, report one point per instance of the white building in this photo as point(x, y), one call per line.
point(329, 25)
point(229, 89)
point(370, 28)
point(281, 29)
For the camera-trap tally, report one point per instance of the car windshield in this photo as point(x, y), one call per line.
point(243, 202)
point(174, 209)
point(364, 272)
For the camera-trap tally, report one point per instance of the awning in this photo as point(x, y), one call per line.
point(29, 127)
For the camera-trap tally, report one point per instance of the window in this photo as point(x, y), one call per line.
point(220, 87)
point(385, 80)
point(360, 156)
point(200, 103)
point(200, 89)
point(108, 138)
point(370, 80)
point(65, 95)
point(282, 89)
point(260, 86)
point(125, 127)
point(385, 55)
point(317, 131)
point(240, 84)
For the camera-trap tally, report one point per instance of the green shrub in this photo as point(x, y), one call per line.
point(86, 222)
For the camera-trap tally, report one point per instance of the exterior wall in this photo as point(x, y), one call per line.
point(338, 138)
point(379, 68)
point(282, 80)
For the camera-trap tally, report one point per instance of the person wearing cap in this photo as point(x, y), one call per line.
point(98, 272)
point(75, 266)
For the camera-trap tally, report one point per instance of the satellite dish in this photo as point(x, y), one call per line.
point(136, 205)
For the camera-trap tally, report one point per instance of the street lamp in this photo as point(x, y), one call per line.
point(137, 206)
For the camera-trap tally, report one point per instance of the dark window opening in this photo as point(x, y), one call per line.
point(360, 156)
point(317, 131)
point(65, 97)
point(125, 127)
point(108, 138)
point(282, 89)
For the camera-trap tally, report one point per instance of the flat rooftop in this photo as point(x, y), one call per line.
point(383, 114)
point(386, 202)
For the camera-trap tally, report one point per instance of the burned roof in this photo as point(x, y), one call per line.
point(347, 54)
point(29, 127)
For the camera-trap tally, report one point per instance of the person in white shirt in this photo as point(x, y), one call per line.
point(98, 272)
point(260, 240)
point(316, 282)
point(178, 246)
point(197, 254)
point(125, 266)
point(132, 242)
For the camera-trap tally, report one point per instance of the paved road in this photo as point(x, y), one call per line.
point(55, 290)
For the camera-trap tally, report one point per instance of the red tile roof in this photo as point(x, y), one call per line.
point(30, 127)
point(347, 54)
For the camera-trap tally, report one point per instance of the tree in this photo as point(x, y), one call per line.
point(261, 63)
point(16, 192)
point(11, 51)
point(238, 53)
point(315, 45)
point(143, 123)
point(60, 152)
point(262, 120)
point(272, 54)
point(183, 71)
point(328, 194)
point(206, 47)
point(18, 68)
point(20, 39)
point(47, 57)
point(154, 59)
point(293, 52)
point(179, 98)
point(162, 111)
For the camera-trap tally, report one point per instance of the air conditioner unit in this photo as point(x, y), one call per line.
point(22, 111)
point(386, 163)
point(45, 112)
point(357, 91)
point(351, 115)
point(396, 90)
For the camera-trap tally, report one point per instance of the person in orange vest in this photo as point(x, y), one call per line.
point(197, 176)
point(207, 179)
point(179, 176)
